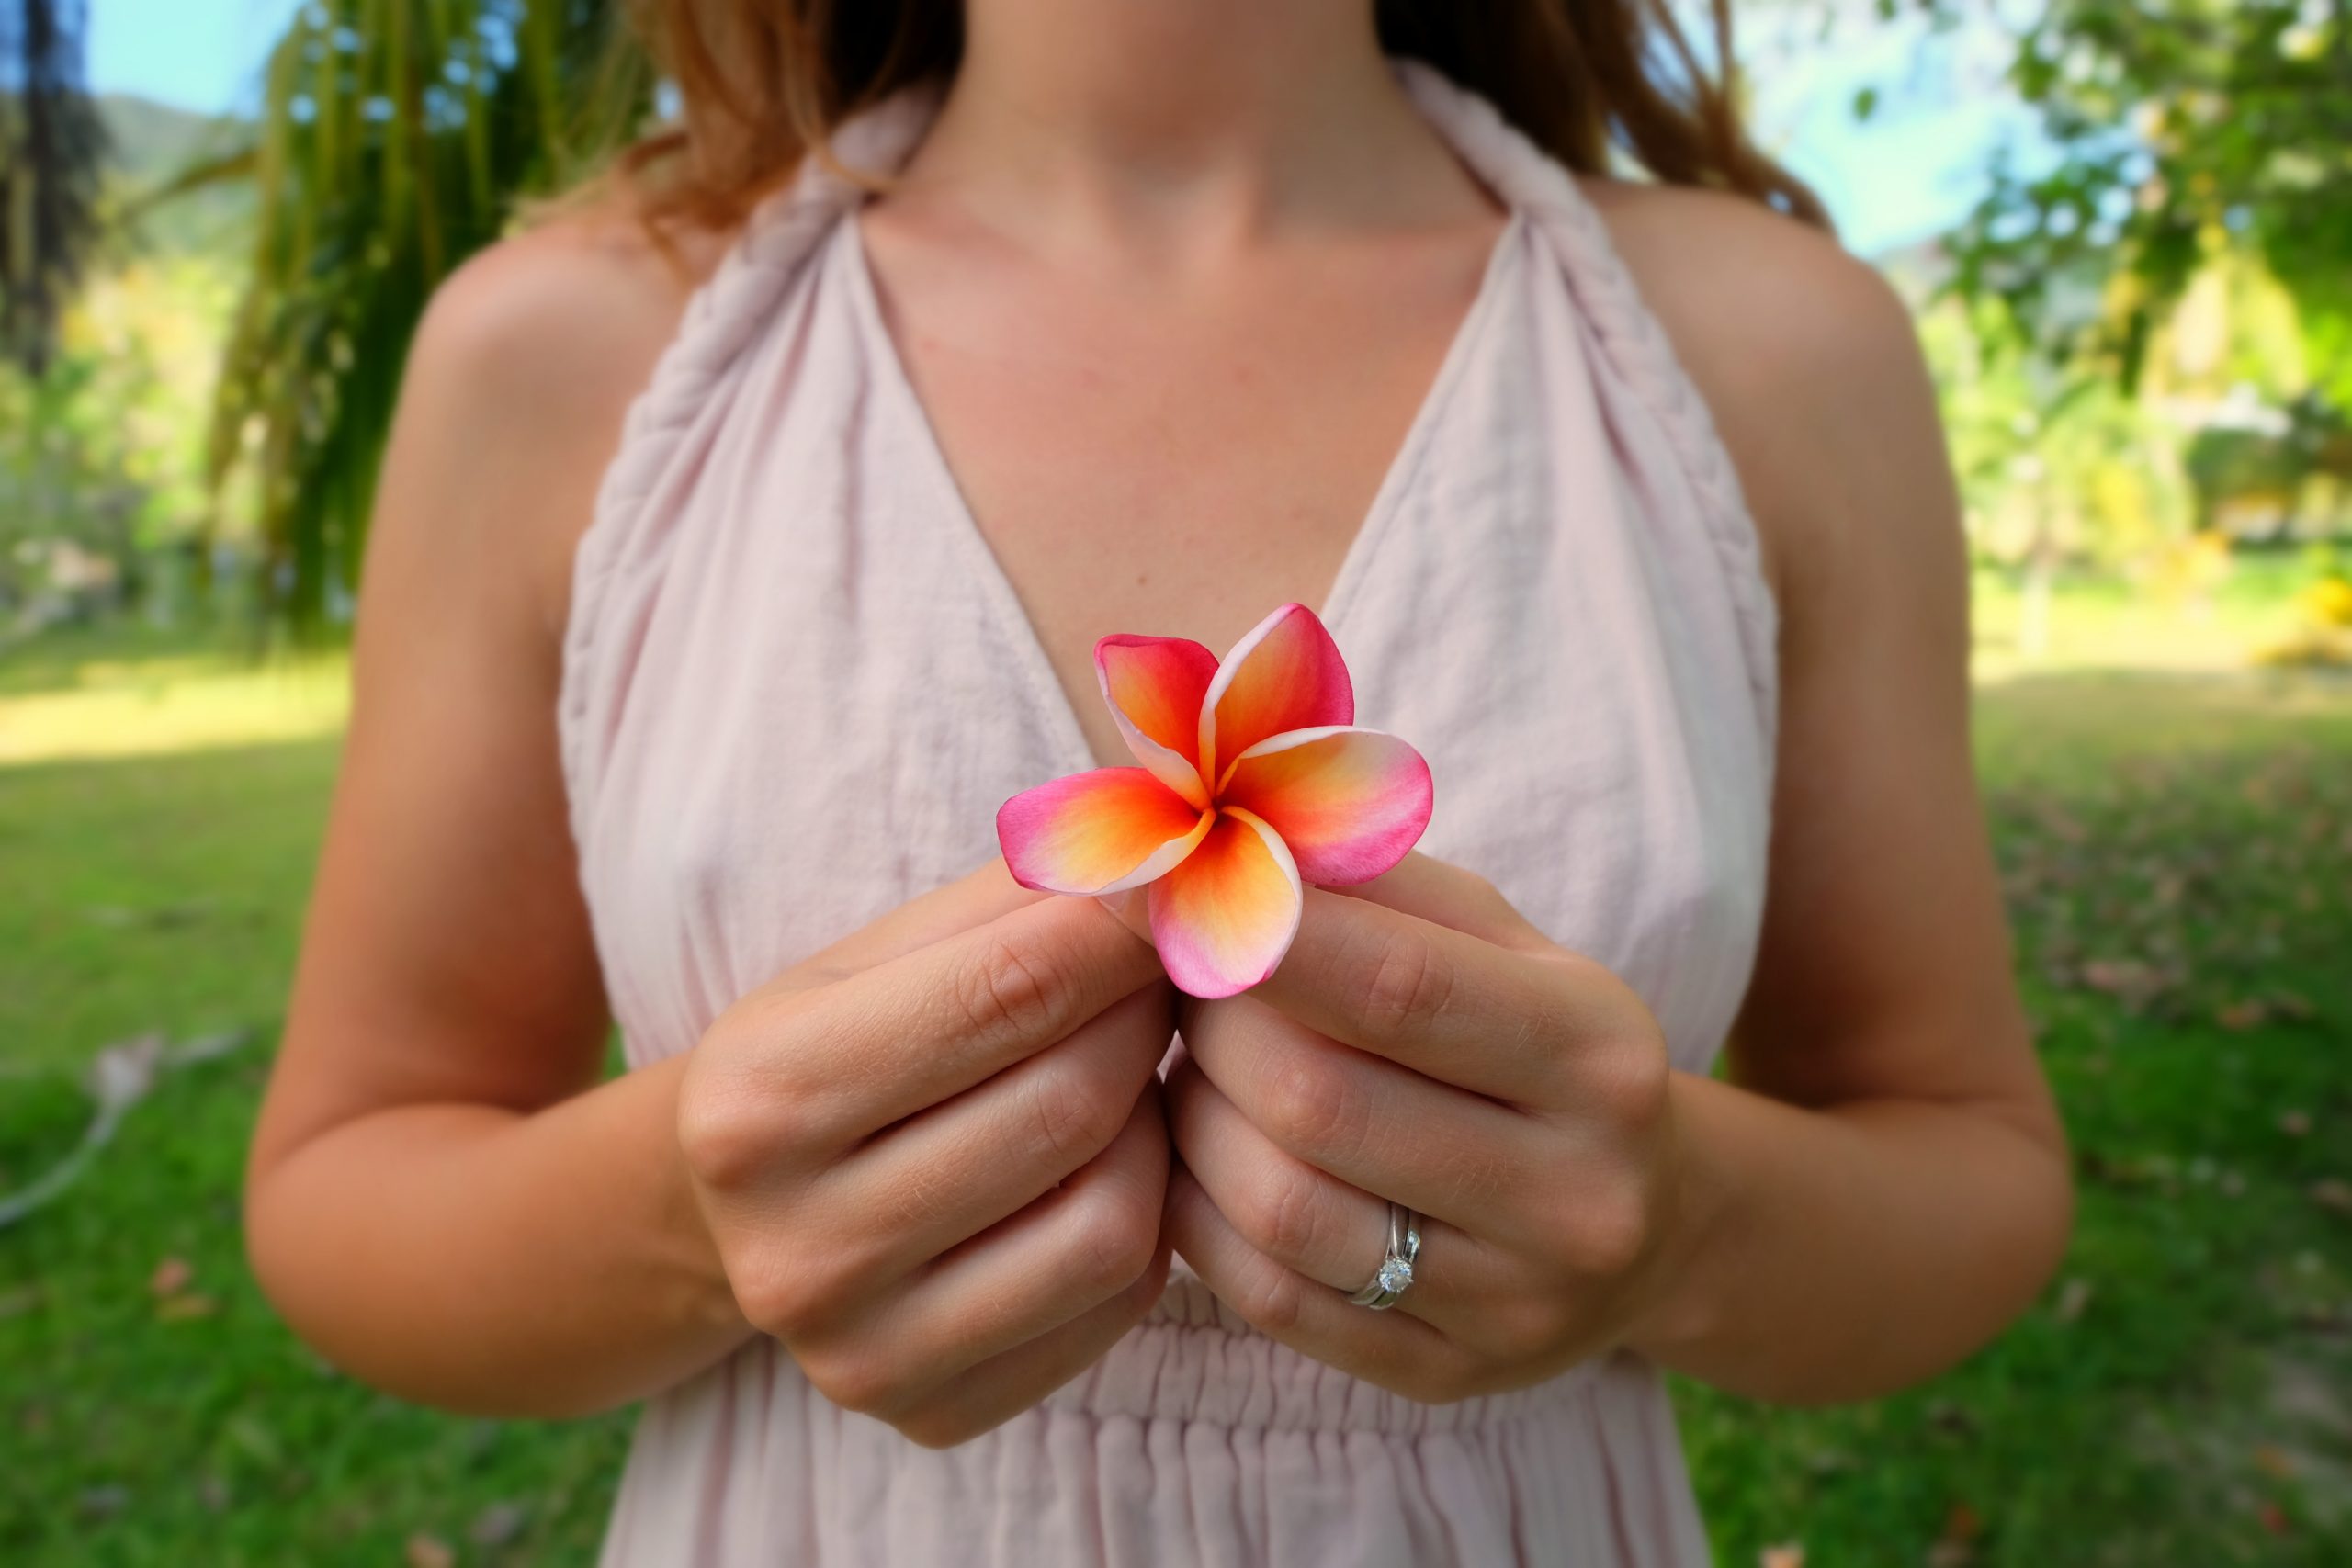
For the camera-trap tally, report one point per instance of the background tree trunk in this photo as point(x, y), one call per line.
point(51, 146)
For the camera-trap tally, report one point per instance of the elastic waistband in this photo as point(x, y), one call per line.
point(1194, 1359)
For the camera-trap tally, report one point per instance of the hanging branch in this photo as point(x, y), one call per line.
point(395, 139)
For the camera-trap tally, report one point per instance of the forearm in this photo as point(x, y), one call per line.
point(549, 1263)
point(1846, 1252)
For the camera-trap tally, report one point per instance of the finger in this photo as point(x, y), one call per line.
point(1331, 1231)
point(1451, 1006)
point(1445, 894)
point(1448, 1154)
point(1003, 1386)
point(942, 1177)
point(970, 900)
point(908, 1033)
point(1071, 1250)
point(1133, 908)
point(1389, 1348)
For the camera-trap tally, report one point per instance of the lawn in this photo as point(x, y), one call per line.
point(2176, 848)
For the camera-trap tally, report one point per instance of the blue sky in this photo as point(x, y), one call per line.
point(195, 55)
point(1904, 174)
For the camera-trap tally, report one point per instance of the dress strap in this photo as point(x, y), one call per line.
point(1634, 348)
point(721, 321)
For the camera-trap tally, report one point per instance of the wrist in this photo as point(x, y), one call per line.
point(1681, 1304)
point(703, 1294)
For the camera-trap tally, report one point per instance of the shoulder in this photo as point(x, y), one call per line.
point(1749, 293)
point(519, 378)
point(1805, 356)
point(559, 320)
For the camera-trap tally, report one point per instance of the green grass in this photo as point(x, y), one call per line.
point(160, 890)
point(2177, 850)
point(2177, 855)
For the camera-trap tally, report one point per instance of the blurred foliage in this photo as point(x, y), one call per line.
point(2139, 338)
point(2323, 631)
point(2052, 463)
point(2184, 129)
point(102, 486)
point(2140, 333)
point(104, 498)
point(396, 137)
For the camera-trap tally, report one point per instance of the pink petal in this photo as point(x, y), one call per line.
point(1286, 674)
point(1349, 803)
point(1225, 916)
point(1155, 686)
point(1097, 832)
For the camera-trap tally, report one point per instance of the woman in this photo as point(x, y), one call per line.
point(1627, 505)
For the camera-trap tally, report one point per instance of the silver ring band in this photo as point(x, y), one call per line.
point(1395, 1276)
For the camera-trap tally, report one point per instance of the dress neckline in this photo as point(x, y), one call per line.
point(960, 524)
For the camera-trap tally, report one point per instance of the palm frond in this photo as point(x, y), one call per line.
point(396, 139)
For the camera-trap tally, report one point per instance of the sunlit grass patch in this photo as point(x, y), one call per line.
point(2108, 624)
point(147, 707)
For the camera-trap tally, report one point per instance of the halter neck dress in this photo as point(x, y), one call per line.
point(796, 685)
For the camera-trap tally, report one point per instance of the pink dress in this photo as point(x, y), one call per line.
point(796, 685)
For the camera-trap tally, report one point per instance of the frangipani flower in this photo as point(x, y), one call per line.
point(1254, 781)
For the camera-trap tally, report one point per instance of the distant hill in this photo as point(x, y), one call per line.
point(152, 144)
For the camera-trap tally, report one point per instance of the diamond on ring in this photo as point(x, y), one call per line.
point(1395, 1276)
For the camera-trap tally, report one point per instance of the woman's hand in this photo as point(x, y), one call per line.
point(1423, 1042)
point(933, 1158)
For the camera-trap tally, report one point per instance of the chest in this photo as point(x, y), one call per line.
point(1171, 454)
point(814, 672)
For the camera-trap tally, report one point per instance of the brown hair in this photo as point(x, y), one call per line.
point(763, 82)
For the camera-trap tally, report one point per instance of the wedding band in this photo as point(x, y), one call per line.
point(1395, 1273)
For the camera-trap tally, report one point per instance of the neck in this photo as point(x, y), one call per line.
point(1151, 119)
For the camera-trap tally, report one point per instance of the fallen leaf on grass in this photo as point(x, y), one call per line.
point(1945, 1415)
point(2128, 980)
point(2290, 1004)
point(2295, 1123)
point(102, 1502)
point(1957, 1546)
point(2239, 1017)
point(2073, 1297)
point(2331, 1193)
point(249, 1435)
point(1787, 1555)
point(2273, 1517)
point(498, 1524)
point(163, 917)
point(171, 1276)
point(430, 1551)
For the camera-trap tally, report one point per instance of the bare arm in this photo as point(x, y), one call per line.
point(1887, 1185)
point(929, 1161)
point(440, 1199)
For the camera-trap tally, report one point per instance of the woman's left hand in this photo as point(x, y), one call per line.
point(1423, 1042)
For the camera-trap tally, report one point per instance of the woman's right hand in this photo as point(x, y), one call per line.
point(932, 1157)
